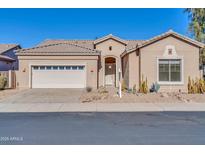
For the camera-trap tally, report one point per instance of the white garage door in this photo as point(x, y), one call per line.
point(59, 76)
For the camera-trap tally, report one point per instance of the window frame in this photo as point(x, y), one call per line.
point(181, 71)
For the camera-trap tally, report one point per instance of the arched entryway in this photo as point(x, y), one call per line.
point(110, 71)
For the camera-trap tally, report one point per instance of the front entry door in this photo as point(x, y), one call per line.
point(110, 74)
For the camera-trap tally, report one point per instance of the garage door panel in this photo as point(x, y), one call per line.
point(58, 86)
point(58, 78)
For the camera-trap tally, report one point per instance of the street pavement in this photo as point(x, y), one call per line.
point(103, 128)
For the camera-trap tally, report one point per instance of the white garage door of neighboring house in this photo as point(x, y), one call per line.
point(59, 76)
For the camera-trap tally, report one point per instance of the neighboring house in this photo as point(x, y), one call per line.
point(168, 59)
point(8, 59)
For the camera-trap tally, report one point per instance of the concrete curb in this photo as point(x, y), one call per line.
point(100, 107)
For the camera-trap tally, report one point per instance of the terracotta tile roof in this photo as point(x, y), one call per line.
point(6, 47)
point(133, 44)
point(90, 43)
point(166, 34)
point(84, 43)
point(86, 47)
point(58, 49)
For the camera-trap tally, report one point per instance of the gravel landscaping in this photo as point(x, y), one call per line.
point(109, 95)
point(106, 95)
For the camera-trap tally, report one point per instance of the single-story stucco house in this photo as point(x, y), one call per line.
point(8, 59)
point(168, 59)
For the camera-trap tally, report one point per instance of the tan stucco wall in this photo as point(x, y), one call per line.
point(25, 62)
point(149, 54)
point(117, 49)
point(133, 70)
point(125, 69)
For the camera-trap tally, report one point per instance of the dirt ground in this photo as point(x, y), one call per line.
point(110, 96)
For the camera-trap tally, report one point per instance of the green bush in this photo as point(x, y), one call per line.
point(3, 82)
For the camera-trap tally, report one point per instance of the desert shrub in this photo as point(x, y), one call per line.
point(196, 86)
point(143, 87)
point(3, 82)
point(88, 89)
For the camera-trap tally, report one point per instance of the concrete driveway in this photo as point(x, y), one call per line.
point(46, 96)
point(44, 100)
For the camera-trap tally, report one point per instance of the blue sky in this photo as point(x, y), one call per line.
point(29, 27)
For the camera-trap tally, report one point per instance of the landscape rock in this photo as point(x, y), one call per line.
point(164, 95)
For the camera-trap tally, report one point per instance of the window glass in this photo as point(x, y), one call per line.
point(80, 67)
point(74, 67)
point(61, 67)
point(55, 67)
point(170, 70)
point(175, 70)
point(48, 67)
point(164, 71)
point(42, 67)
point(35, 67)
point(68, 67)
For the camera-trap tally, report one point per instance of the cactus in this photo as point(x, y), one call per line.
point(134, 89)
point(189, 85)
point(146, 87)
point(143, 87)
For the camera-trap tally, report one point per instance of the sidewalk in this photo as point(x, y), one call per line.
point(100, 107)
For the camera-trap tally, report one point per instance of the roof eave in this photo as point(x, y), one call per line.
point(7, 59)
point(57, 54)
point(17, 45)
point(110, 36)
point(184, 38)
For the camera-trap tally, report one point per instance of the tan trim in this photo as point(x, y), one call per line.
point(110, 36)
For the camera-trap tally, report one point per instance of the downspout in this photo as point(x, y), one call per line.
point(139, 66)
point(201, 64)
point(98, 71)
